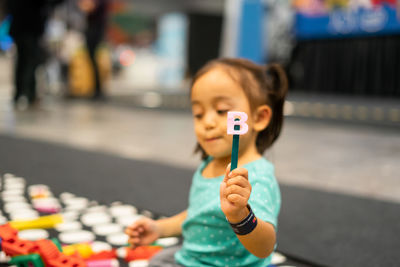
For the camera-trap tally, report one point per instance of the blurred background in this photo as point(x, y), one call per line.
point(113, 76)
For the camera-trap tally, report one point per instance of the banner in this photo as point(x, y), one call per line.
point(321, 19)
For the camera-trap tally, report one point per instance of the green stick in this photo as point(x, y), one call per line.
point(235, 148)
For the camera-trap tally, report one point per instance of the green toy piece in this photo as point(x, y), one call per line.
point(57, 243)
point(27, 261)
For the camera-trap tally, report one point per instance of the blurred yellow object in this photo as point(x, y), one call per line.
point(81, 76)
point(84, 250)
point(330, 4)
point(41, 222)
point(41, 195)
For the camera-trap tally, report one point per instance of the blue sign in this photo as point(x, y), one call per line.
point(5, 39)
point(379, 20)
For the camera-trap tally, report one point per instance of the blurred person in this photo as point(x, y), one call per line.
point(3, 9)
point(27, 27)
point(225, 206)
point(96, 12)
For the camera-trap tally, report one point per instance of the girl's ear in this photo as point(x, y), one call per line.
point(262, 117)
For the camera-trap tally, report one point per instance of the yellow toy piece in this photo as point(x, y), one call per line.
point(83, 249)
point(41, 222)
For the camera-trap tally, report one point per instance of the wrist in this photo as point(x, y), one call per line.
point(239, 216)
point(158, 228)
point(247, 225)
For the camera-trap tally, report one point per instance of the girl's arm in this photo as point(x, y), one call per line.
point(235, 192)
point(145, 231)
point(261, 241)
point(171, 226)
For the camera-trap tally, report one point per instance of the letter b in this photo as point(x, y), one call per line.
point(232, 115)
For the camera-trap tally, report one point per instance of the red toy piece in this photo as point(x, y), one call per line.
point(141, 253)
point(67, 261)
point(47, 250)
point(103, 255)
point(12, 245)
point(15, 247)
point(7, 232)
point(52, 257)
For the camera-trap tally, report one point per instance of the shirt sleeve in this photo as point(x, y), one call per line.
point(265, 197)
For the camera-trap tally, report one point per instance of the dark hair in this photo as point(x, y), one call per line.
point(262, 85)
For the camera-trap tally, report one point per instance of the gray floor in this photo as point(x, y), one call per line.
point(338, 157)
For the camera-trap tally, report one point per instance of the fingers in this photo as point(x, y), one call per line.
point(135, 235)
point(237, 190)
point(142, 232)
point(134, 242)
point(238, 180)
point(134, 231)
point(138, 225)
point(238, 183)
point(239, 172)
point(237, 200)
point(227, 171)
point(237, 187)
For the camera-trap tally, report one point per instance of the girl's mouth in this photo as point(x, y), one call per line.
point(213, 139)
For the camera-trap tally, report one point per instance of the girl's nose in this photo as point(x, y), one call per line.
point(210, 120)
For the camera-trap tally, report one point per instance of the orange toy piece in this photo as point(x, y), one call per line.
point(141, 253)
point(103, 255)
point(15, 247)
point(7, 232)
point(52, 257)
point(67, 261)
point(47, 249)
point(12, 245)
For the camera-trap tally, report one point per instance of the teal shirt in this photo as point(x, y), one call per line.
point(208, 238)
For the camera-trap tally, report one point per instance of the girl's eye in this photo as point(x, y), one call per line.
point(222, 111)
point(197, 116)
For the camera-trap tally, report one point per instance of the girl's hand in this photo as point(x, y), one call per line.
point(143, 232)
point(235, 192)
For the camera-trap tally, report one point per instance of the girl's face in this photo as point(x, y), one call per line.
point(213, 95)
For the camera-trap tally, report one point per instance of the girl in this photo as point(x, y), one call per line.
point(232, 216)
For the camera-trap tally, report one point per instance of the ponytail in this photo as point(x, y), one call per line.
point(279, 80)
point(277, 87)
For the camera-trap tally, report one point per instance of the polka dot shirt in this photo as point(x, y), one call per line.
point(208, 238)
